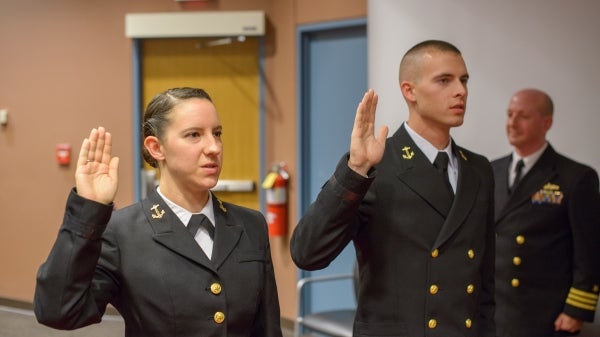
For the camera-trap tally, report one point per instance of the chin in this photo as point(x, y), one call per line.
point(456, 123)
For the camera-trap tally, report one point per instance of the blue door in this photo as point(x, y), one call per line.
point(333, 79)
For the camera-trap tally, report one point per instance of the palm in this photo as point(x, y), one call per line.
point(366, 150)
point(96, 175)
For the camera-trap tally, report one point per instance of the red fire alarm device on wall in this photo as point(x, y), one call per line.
point(63, 154)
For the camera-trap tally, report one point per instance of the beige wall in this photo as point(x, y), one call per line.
point(65, 67)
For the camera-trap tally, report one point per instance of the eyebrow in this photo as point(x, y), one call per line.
point(442, 75)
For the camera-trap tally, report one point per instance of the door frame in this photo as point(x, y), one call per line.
point(303, 103)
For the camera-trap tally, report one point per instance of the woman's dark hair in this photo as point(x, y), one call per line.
point(156, 117)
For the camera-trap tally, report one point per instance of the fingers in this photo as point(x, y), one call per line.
point(366, 108)
point(99, 149)
point(83, 152)
point(92, 143)
point(106, 148)
point(96, 148)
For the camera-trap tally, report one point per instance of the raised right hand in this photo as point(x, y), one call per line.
point(365, 149)
point(96, 174)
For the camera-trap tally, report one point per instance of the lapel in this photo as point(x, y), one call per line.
point(227, 233)
point(501, 192)
point(417, 172)
point(542, 172)
point(170, 232)
point(467, 188)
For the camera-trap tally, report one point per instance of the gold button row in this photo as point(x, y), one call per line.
point(215, 288)
point(470, 253)
point(434, 289)
point(432, 323)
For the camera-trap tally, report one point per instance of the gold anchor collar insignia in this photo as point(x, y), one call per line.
point(407, 153)
point(158, 214)
point(221, 206)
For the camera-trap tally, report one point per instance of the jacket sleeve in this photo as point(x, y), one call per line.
point(584, 217)
point(268, 323)
point(332, 220)
point(70, 290)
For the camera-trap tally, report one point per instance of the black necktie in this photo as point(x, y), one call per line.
point(518, 173)
point(198, 220)
point(441, 164)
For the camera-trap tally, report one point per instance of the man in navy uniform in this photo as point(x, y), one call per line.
point(547, 224)
point(423, 227)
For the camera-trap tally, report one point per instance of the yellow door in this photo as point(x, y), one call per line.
point(228, 69)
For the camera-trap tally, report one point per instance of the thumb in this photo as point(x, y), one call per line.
point(383, 133)
point(113, 167)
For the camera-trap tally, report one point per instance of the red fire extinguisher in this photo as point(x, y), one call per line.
point(275, 184)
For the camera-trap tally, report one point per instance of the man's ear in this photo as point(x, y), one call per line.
point(548, 123)
point(407, 89)
point(152, 144)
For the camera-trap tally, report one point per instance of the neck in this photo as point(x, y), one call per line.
point(438, 136)
point(193, 201)
point(524, 151)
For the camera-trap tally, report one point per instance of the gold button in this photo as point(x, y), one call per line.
point(520, 239)
point(432, 323)
point(219, 317)
point(433, 289)
point(471, 254)
point(468, 323)
point(215, 288)
point(435, 253)
point(517, 261)
point(470, 289)
point(514, 282)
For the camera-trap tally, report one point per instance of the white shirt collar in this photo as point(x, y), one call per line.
point(528, 161)
point(184, 215)
point(431, 151)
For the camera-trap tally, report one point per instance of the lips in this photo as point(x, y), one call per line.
point(211, 168)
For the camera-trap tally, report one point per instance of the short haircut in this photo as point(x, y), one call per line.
point(413, 55)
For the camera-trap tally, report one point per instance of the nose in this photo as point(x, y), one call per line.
point(461, 89)
point(510, 120)
point(214, 145)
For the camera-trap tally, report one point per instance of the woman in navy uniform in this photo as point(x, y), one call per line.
point(163, 279)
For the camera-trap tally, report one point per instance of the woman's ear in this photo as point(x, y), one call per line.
point(152, 144)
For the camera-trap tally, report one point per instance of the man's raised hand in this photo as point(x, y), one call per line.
point(366, 150)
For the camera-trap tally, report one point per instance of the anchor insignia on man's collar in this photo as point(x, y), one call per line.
point(408, 153)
